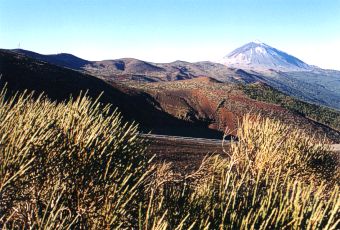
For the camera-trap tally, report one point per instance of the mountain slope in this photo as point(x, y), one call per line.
point(221, 105)
point(262, 92)
point(256, 55)
point(287, 73)
point(201, 106)
point(307, 83)
point(58, 83)
point(321, 87)
point(129, 69)
point(62, 59)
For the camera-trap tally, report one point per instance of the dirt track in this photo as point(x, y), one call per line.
point(186, 153)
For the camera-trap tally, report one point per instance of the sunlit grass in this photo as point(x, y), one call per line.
point(77, 165)
point(274, 177)
point(68, 164)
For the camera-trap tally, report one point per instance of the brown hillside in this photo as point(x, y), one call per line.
point(201, 106)
point(221, 105)
point(58, 83)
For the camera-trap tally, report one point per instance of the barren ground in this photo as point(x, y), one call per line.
point(187, 154)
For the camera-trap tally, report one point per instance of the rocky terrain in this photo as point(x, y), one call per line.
point(221, 105)
point(180, 98)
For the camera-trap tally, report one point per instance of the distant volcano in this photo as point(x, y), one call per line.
point(257, 55)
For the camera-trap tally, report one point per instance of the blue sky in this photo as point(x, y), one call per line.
point(168, 30)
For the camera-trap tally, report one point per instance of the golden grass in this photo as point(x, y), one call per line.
point(76, 165)
point(274, 177)
point(68, 164)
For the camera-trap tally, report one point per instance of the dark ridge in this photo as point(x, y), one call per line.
point(62, 59)
point(21, 73)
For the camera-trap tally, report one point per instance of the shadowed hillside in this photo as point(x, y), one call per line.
point(221, 105)
point(62, 59)
point(200, 107)
point(21, 72)
point(265, 93)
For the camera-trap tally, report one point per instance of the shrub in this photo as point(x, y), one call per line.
point(269, 145)
point(321, 114)
point(73, 164)
point(76, 165)
point(274, 177)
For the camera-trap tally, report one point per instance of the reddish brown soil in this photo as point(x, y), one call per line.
point(220, 106)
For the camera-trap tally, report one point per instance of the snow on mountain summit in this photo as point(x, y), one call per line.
point(258, 55)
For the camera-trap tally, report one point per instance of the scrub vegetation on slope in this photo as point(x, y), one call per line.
point(76, 165)
point(324, 115)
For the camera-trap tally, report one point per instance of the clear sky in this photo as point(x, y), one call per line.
point(168, 30)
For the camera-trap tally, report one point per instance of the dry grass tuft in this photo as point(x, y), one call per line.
point(72, 164)
point(268, 145)
point(274, 177)
point(76, 165)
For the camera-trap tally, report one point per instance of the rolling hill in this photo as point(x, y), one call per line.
point(253, 62)
point(178, 98)
point(221, 105)
point(20, 72)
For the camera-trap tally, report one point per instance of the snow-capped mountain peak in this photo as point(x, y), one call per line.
point(258, 55)
point(257, 41)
